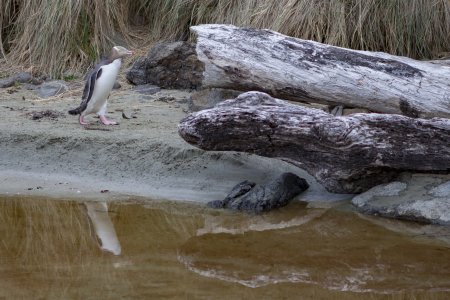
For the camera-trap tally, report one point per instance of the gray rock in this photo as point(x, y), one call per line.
point(442, 190)
point(388, 189)
point(22, 77)
point(52, 88)
point(30, 86)
point(208, 98)
point(7, 82)
point(147, 89)
point(261, 198)
point(168, 65)
point(416, 197)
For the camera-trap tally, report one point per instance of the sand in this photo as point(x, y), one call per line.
point(142, 156)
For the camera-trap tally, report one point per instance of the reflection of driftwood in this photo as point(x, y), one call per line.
point(346, 154)
point(235, 224)
point(300, 70)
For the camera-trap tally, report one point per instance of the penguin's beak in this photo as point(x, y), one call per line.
point(130, 52)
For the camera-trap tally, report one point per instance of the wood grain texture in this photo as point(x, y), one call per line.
point(300, 70)
point(346, 154)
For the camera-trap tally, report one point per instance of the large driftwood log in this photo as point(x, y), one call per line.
point(300, 70)
point(346, 154)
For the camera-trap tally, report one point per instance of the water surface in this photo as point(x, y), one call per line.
point(146, 249)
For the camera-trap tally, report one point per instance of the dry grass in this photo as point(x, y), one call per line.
point(55, 36)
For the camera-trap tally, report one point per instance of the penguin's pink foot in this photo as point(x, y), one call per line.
point(82, 121)
point(106, 121)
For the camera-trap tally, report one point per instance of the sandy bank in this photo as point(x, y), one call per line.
point(143, 156)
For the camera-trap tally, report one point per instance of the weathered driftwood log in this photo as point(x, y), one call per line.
point(346, 154)
point(300, 70)
point(230, 57)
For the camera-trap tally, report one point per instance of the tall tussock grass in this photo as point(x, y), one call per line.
point(55, 35)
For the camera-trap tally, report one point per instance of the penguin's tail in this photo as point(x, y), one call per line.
point(75, 111)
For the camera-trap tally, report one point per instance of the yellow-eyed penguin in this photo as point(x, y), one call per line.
point(99, 84)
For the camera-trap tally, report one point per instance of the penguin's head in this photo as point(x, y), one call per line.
point(119, 52)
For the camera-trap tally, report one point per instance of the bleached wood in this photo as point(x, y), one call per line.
point(346, 154)
point(301, 70)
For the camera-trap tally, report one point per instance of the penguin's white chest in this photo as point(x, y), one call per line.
point(103, 86)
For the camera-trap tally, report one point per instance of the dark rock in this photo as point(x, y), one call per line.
point(237, 191)
point(418, 197)
point(208, 98)
point(261, 198)
point(240, 189)
point(52, 88)
point(147, 89)
point(168, 65)
point(275, 194)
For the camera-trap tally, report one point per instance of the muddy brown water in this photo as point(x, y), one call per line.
point(151, 250)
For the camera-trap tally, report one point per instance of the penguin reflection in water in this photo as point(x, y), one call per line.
point(99, 84)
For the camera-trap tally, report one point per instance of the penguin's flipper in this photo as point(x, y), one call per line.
point(88, 91)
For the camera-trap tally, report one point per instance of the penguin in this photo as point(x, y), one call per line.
point(99, 84)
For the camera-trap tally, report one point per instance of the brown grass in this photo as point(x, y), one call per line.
point(55, 36)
